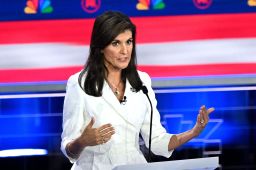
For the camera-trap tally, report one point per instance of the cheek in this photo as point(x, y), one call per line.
point(130, 50)
point(109, 55)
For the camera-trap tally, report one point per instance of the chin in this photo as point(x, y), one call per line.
point(123, 66)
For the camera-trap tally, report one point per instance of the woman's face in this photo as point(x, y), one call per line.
point(117, 54)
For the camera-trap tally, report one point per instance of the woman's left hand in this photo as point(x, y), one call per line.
point(202, 119)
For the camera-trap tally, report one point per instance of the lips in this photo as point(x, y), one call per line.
point(123, 59)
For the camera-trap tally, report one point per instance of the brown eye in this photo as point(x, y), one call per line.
point(115, 43)
point(129, 42)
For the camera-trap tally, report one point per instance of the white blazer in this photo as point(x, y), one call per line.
point(128, 119)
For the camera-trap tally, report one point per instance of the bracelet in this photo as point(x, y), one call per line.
point(71, 153)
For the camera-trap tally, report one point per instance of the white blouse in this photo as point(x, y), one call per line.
point(129, 120)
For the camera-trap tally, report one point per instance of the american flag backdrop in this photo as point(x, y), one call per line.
point(48, 40)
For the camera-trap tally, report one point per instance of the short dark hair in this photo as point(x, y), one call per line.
point(106, 28)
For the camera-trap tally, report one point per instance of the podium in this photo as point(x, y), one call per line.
point(208, 163)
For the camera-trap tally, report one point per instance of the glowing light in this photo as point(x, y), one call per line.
point(22, 152)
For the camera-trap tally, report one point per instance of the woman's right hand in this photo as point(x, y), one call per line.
point(96, 136)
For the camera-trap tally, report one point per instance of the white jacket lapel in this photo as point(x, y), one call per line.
point(111, 99)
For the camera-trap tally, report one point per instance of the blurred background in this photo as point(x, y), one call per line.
point(197, 52)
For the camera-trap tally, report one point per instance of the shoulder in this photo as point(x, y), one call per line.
point(72, 87)
point(145, 78)
point(73, 79)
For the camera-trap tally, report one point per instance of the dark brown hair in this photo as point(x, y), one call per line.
point(106, 28)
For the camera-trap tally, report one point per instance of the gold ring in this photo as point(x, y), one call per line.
point(202, 121)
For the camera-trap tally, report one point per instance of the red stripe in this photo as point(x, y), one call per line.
point(192, 27)
point(37, 75)
point(62, 74)
point(200, 70)
point(150, 29)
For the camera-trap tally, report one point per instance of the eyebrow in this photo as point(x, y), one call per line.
point(126, 40)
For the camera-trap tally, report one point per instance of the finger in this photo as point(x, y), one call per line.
point(205, 115)
point(201, 115)
point(99, 140)
point(107, 130)
point(108, 136)
point(106, 139)
point(198, 118)
point(103, 139)
point(107, 133)
point(91, 123)
point(103, 127)
point(210, 110)
point(202, 110)
point(200, 121)
point(202, 107)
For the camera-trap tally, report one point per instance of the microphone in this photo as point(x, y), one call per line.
point(124, 100)
point(145, 91)
point(133, 89)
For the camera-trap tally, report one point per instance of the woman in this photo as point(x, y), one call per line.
point(105, 109)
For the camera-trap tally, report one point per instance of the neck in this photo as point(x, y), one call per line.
point(115, 82)
point(115, 85)
point(114, 77)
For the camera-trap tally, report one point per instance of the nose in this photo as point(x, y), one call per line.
point(123, 49)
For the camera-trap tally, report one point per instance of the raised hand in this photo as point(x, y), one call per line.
point(202, 119)
point(95, 136)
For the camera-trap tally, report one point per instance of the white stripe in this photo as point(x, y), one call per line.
point(172, 53)
point(205, 89)
point(42, 55)
point(22, 152)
